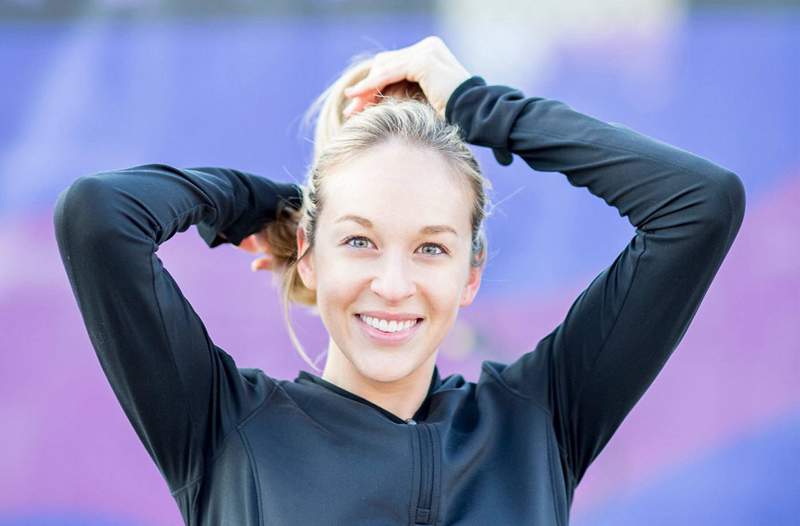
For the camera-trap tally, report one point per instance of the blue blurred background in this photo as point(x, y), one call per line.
point(101, 84)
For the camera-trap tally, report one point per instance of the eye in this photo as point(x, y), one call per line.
point(435, 245)
point(441, 248)
point(359, 238)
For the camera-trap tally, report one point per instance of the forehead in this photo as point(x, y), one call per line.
point(395, 183)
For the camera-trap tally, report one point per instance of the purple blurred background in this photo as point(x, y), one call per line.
point(104, 85)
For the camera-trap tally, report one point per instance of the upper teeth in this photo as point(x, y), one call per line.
point(388, 326)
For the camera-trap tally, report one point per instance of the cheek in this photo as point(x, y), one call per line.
point(339, 284)
point(441, 291)
point(441, 285)
point(341, 273)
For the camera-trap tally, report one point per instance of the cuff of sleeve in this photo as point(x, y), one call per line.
point(209, 235)
point(289, 194)
point(453, 115)
point(475, 80)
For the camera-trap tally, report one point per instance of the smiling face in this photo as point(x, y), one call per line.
point(375, 252)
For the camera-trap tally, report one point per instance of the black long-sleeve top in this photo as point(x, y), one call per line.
point(239, 447)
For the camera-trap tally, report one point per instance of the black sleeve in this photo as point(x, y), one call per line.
point(181, 393)
point(619, 332)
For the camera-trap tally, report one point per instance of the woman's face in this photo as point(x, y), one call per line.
point(372, 254)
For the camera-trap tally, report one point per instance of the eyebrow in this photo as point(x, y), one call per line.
point(366, 223)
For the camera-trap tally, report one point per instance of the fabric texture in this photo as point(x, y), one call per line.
point(237, 446)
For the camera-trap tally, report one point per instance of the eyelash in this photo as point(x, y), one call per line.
point(441, 247)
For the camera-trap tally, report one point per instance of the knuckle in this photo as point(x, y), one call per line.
point(380, 59)
point(378, 75)
point(433, 41)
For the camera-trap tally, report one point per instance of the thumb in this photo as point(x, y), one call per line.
point(249, 244)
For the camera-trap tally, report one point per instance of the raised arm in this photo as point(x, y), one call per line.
point(618, 334)
point(181, 393)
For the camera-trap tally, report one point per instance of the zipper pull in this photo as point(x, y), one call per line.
point(411, 422)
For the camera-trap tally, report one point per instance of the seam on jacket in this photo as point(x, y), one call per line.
point(499, 379)
point(553, 485)
point(188, 485)
point(438, 451)
point(260, 406)
point(167, 338)
point(257, 481)
point(412, 504)
point(302, 410)
point(608, 336)
point(224, 441)
point(502, 382)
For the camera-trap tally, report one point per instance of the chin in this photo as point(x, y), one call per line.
point(385, 367)
point(385, 363)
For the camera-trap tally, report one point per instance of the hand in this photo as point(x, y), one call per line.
point(254, 244)
point(429, 63)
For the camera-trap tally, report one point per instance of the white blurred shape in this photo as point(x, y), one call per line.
point(515, 42)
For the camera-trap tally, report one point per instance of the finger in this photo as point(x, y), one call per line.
point(374, 84)
point(256, 266)
point(359, 103)
point(351, 106)
point(262, 244)
point(377, 79)
point(261, 264)
point(249, 244)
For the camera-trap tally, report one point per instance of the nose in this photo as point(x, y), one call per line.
point(394, 281)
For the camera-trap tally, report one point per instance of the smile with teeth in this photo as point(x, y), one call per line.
point(388, 326)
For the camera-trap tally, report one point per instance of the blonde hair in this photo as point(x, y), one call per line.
point(402, 113)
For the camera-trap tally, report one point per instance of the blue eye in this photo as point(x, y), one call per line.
point(351, 238)
point(435, 245)
point(441, 248)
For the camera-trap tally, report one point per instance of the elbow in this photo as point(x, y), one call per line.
point(727, 202)
point(82, 208)
point(732, 188)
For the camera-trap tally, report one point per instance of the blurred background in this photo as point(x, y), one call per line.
point(95, 85)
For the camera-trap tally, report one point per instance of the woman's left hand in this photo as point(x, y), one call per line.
point(429, 63)
point(255, 244)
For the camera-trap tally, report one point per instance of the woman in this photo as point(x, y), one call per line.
point(390, 225)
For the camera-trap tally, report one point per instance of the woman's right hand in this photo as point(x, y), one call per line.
point(255, 244)
point(429, 63)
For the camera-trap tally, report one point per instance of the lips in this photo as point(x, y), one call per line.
point(388, 338)
point(389, 316)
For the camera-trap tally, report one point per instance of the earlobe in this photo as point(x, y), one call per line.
point(472, 286)
point(305, 267)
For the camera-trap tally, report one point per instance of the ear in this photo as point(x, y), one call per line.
point(472, 285)
point(305, 267)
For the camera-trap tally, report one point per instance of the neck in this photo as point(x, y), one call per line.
point(401, 397)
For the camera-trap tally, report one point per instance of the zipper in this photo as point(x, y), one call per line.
point(426, 508)
point(424, 512)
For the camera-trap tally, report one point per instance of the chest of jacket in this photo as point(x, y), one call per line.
point(310, 456)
